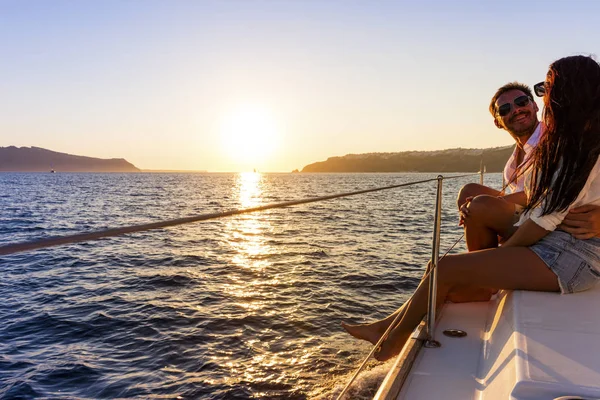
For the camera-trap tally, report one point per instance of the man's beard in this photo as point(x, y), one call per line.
point(525, 131)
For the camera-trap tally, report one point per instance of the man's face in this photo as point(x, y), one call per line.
point(520, 120)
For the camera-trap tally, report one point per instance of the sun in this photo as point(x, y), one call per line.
point(249, 135)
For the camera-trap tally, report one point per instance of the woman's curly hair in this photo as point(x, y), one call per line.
point(570, 144)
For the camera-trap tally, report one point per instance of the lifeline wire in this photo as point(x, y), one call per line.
point(84, 237)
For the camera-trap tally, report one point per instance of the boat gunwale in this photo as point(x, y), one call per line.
point(396, 377)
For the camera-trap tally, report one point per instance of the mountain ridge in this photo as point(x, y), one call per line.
point(37, 159)
point(448, 160)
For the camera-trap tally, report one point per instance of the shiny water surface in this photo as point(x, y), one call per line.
point(236, 308)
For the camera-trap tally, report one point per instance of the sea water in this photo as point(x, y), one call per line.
point(240, 307)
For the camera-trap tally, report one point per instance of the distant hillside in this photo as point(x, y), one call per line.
point(452, 160)
point(35, 159)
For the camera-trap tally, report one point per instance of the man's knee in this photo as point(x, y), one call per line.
point(480, 207)
point(469, 190)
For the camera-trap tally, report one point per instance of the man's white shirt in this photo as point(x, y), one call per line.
point(518, 184)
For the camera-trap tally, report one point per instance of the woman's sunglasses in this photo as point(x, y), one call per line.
point(505, 108)
point(540, 89)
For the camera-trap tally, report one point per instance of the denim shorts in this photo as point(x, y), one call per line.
point(575, 262)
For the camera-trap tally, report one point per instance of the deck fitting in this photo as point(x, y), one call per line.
point(455, 333)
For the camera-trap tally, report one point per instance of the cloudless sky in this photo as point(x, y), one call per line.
point(272, 85)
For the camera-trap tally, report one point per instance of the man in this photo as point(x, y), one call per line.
point(488, 214)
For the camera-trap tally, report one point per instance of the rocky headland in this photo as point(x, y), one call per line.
point(451, 160)
point(36, 159)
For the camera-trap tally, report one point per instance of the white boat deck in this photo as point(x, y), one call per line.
point(523, 345)
point(451, 368)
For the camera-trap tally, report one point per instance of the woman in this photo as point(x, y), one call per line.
point(566, 174)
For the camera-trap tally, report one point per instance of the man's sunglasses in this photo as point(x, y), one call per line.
point(540, 89)
point(505, 108)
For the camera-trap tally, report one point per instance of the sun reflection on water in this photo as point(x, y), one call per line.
point(254, 288)
point(247, 232)
point(249, 186)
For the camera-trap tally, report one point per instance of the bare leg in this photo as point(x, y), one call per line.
point(373, 331)
point(513, 268)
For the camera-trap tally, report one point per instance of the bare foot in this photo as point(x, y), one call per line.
point(392, 346)
point(370, 332)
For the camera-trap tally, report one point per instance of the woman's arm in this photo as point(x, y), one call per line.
point(527, 234)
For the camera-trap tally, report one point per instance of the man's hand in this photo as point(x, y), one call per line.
point(463, 211)
point(582, 222)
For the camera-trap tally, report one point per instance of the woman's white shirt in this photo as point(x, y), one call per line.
point(590, 194)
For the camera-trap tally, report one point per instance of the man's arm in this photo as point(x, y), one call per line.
point(519, 198)
point(582, 222)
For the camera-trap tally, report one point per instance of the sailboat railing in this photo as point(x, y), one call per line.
point(435, 251)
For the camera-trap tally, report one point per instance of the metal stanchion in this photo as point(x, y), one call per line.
point(481, 167)
point(435, 254)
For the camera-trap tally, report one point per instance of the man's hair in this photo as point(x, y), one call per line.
point(506, 88)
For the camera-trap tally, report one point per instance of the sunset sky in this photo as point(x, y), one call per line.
point(272, 85)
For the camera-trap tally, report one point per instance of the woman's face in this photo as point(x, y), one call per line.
point(548, 86)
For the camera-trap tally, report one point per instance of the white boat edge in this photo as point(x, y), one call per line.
point(520, 345)
point(395, 378)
